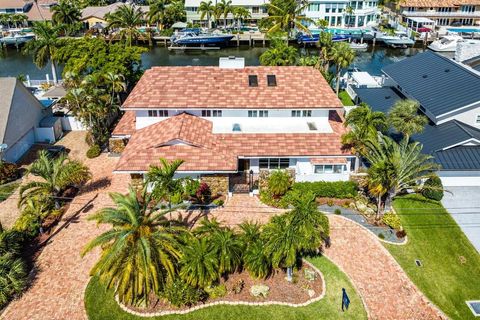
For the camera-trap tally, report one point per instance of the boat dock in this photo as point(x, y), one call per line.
point(251, 39)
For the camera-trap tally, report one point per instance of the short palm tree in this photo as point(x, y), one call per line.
point(404, 117)
point(256, 260)
point(342, 56)
point(140, 251)
point(206, 9)
point(288, 15)
point(279, 181)
point(207, 227)
point(199, 263)
point(127, 18)
point(56, 175)
point(279, 54)
point(157, 12)
point(163, 181)
point(13, 277)
point(45, 45)
point(66, 13)
point(229, 250)
point(19, 19)
point(117, 84)
point(251, 232)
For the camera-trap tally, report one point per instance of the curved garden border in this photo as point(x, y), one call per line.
point(235, 303)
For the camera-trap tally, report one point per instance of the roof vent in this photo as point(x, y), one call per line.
point(236, 127)
point(231, 62)
point(312, 126)
point(447, 70)
point(387, 97)
point(271, 80)
point(252, 80)
point(425, 76)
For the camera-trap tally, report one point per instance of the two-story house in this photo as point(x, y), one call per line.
point(34, 10)
point(234, 121)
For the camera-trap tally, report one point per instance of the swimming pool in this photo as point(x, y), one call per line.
point(468, 30)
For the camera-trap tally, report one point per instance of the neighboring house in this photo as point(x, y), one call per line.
point(449, 95)
point(34, 10)
point(233, 122)
point(92, 16)
point(23, 120)
point(443, 12)
point(332, 11)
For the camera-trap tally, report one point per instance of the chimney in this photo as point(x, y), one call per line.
point(231, 62)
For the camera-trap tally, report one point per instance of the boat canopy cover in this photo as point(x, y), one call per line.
point(421, 20)
point(364, 78)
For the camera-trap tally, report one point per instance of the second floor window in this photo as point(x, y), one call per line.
point(158, 113)
point(255, 9)
point(301, 113)
point(258, 113)
point(211, 113)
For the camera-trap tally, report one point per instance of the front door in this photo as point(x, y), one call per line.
point(243, 165)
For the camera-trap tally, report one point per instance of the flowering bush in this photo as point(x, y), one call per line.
point(203, 194)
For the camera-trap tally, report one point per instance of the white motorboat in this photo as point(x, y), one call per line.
point(358, 46)
point(16, 37)
point(448, 43)
point(399, 40)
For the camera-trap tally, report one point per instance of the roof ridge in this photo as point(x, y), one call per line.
point(463, 125)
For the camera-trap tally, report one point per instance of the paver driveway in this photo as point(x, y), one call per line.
point(386, 289)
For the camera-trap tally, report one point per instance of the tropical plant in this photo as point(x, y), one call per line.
point(240, 14)
point(127, 18)
point(34, 212)
point(348, 14)
point(256, 260)
point(68, 14)
point(207, 9)
point(18, 19)
point(45, 45)
point(174, 12)
point(279, 54)
point(433, 188)
point(251, 232)
point(287, 15)
point(364, 124)
point(13, 277)
point(405, 118)
point(326, 49)
point(342, 57)
point(117, 84)
point(179, 293)
point(140, 251)
point(279, 181)
point(163, 181)
point(207, 227)
point(199, 262)
point(225, 7)
point(229, 250)
point(56, 175)
point(156, 13)
point(395, 168)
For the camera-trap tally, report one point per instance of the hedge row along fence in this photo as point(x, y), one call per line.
point(327, 189)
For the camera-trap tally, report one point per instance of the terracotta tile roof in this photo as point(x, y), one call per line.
point(100, 11)
point(334, 160)
point(438, 3)
point(214, 87)
point(10, 4)
point(205, 151)
point(126, 125)
point(183, 137)
point(39, 13)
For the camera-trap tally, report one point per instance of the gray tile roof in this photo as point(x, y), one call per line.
point(438, 83)
point(459, 158)
point(379, 99)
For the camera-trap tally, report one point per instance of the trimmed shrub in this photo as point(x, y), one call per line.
point(392, 220)
point(8, 172)
point(337, 211)
point(94, 151)
point(433, 188)
point(334, 189)
point(217, 291)
point(279, 181)
point(180, 294)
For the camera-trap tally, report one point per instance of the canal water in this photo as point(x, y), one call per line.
point(15, 63)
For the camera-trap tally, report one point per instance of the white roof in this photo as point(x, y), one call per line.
point(364, 78)
point(258, 3)
point(421, 20)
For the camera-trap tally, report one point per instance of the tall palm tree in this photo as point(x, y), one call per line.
point(19, 18)
point(139, 251)
point(163, 181)
point(348, 13)
point(199, 263)
point(404, 117)
point(287, 16)
point(46, 43)
point(156, 14)
point(397, 167)
point(127, 18)
point(326, 44)
point(207, 9)
point(343, 56)
point(117, 84)
point(225, 7)
point(67, 13)
point(229, 250)
point(240, 14)
point(57, 174)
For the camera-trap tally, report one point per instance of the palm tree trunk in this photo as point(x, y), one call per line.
point(54, 71)
point(379, 207)
point(338, 81)
point(289, 274)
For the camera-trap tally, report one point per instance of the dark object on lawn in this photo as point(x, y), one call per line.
point(401, 234)
point(55, 151)
point(337, 211)
point(345, 300)
point(418, 263)
point(381, 236)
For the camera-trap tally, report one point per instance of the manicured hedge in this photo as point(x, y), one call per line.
point(335, 189)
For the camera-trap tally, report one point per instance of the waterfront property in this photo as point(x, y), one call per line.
point(24, 120)
point(443, 12)
point(96, 15)
point(34, 10)
point(234, 121)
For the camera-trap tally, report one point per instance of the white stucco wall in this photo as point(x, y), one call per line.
point(459, 178)
point(469, 117)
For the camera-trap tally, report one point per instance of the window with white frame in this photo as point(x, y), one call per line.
point(301, 113)
point(212, 113)
point(330, 168)
point(274, 163)
point(158, 113)
point(258, 113)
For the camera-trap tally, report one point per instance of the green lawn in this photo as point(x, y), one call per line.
point(436, 239)
point(100, 304)
point(345, 98)
point(7, 190)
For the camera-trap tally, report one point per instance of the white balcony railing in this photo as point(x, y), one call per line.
point(456, 14)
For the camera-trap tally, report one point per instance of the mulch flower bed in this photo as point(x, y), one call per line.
point(295, 292)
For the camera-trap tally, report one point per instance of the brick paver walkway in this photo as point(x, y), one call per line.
point(386, 289)
point(57, 291)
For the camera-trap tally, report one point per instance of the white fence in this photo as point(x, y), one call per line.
point(69, 123)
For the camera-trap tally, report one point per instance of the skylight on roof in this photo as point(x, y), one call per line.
point(252, 80)
point(271, 80)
